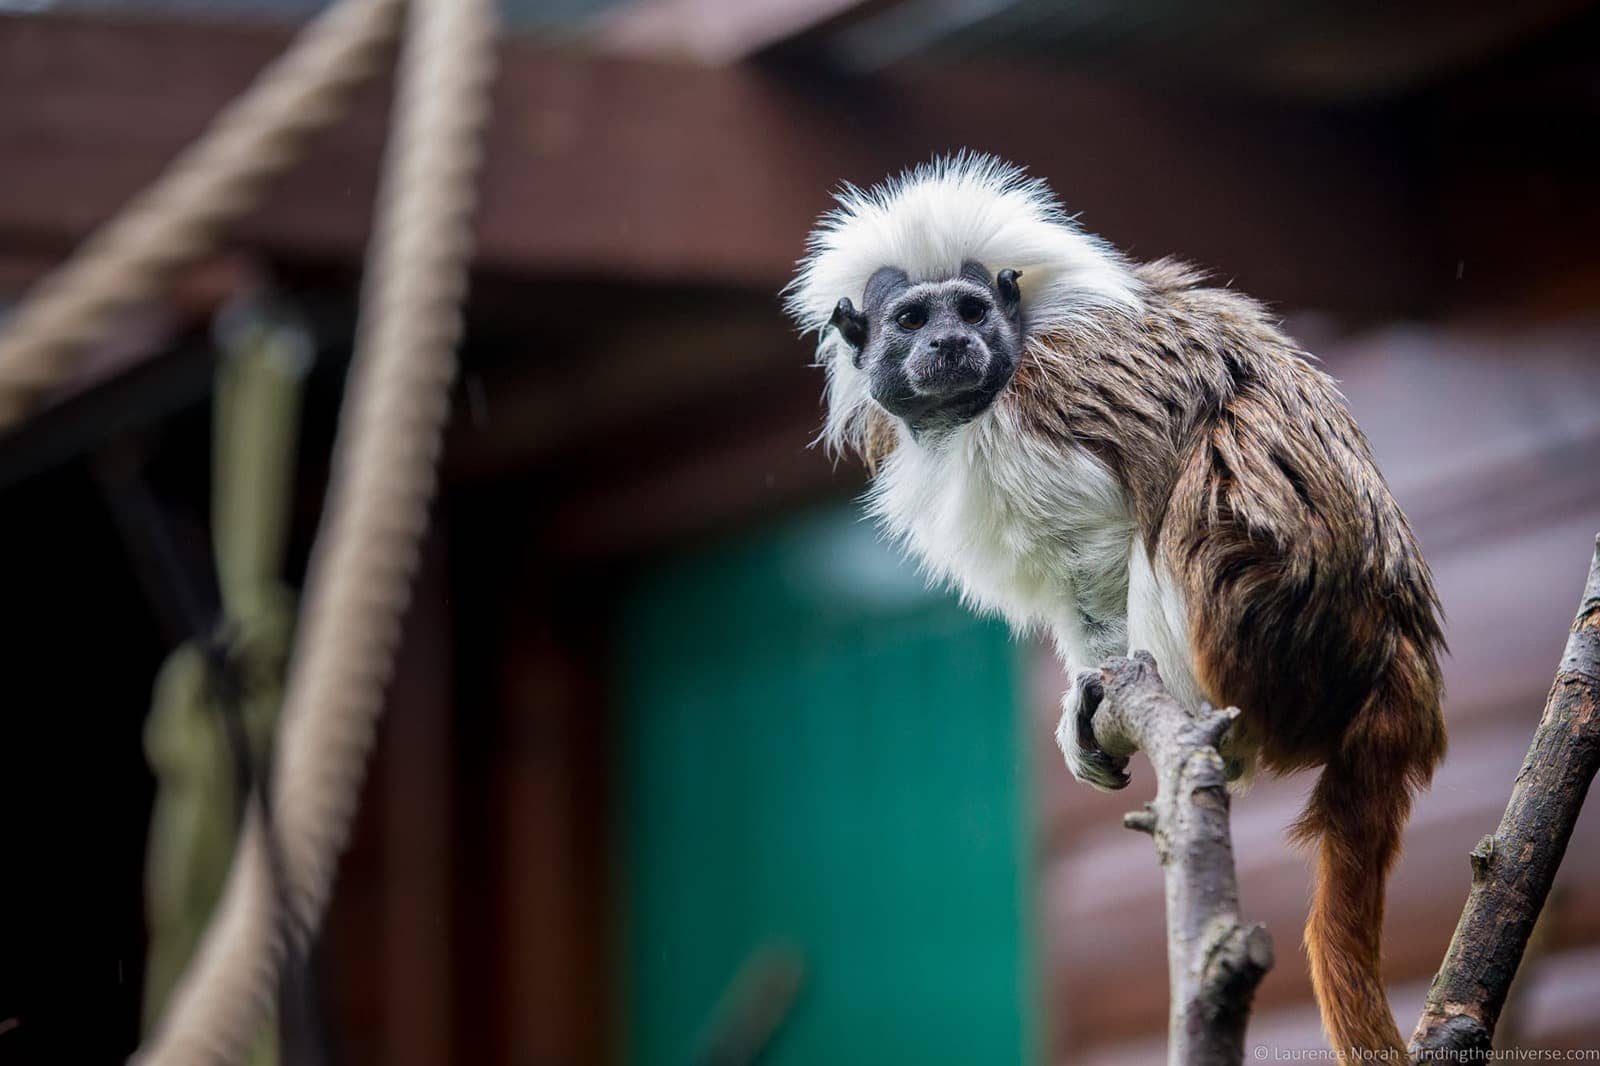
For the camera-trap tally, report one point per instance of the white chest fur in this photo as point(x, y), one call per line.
point(1038, 533)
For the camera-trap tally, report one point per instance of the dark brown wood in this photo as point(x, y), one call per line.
point(547, 996)
point(608, 372)
point(1215, 959)
point(416, 809)
point(634, 170)
point(386, 959)
point(1513, 869)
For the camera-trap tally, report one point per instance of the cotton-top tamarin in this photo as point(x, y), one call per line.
point(1125, 457)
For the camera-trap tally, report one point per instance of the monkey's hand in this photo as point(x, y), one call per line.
point(1075, 735)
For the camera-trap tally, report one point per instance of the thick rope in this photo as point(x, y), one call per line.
point(383, 483)
point(179, 220)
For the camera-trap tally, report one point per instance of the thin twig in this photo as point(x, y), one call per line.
point(1512, 870)
point(1215, 960)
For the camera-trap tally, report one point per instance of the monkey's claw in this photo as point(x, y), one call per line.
point(1075, 735)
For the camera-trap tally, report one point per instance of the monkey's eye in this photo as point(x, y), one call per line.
point(912, 318)
point(973, 311)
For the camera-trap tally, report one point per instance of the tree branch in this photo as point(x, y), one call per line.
point(1214, 959)
point(1513, 869)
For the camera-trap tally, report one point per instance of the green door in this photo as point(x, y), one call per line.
point(820, 762)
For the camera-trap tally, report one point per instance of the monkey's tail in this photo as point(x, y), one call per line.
point(1355, 818)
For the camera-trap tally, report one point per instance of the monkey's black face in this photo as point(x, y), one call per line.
point(936, 353)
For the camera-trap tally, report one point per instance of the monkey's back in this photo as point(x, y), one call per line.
point(1305, 590)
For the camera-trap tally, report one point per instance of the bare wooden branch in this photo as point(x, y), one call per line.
point(1215, 960)
point(1512, 870)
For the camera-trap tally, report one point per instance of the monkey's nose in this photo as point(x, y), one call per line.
point(949, 363)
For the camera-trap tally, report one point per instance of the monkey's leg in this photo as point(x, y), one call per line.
point(1075, 735)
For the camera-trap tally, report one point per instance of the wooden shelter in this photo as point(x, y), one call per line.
point(637, 712)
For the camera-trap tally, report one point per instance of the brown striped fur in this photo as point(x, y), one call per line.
point(1310, 606)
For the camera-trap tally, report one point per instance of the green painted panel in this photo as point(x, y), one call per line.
point(819, 754)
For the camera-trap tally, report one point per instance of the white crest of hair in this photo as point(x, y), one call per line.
point(930, 220)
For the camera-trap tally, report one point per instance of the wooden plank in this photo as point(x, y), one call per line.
point(593, 373)
point(649, 171)
point(547, 993)
point(389, 941)
point(713, 31)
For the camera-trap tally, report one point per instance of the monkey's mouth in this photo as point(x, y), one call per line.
point(944, 395)
point(942, 377)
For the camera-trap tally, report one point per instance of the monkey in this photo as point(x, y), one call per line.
point(1121, 456)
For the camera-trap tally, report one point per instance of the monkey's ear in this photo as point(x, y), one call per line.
point(851, 324)
point(1010, 292)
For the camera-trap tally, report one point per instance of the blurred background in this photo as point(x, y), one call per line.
point(681, 763)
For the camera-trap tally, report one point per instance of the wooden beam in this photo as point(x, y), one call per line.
point(714, 31)
point(589, 378)
point(604, 167)
point(746, 474)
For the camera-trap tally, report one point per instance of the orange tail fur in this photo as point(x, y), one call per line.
point(1356, 815)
